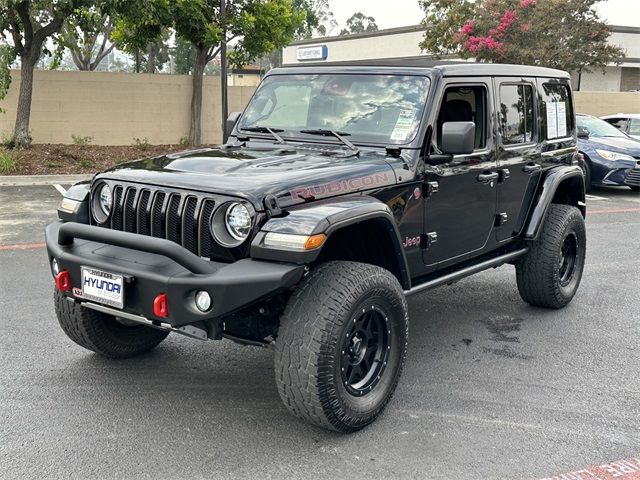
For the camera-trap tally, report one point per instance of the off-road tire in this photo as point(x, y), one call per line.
point(102, 333)
point(539, 272)
point(309, 343)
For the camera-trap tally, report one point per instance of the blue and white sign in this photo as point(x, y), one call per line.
point(317, 52)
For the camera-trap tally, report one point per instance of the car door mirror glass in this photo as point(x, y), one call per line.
point(583, 132)
point(458, 138)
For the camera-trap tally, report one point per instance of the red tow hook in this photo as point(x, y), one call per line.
point(160, 306)
point(62, 281)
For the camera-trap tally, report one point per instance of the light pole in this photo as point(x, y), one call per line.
point(223, 70)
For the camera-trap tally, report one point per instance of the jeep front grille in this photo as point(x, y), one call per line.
point(183, 218)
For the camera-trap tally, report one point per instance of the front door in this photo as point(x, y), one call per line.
point(459, 216)
point(519, 155)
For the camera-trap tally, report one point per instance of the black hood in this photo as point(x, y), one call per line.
point(291, 175)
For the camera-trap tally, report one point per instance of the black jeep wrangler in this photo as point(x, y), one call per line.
point(340, 191)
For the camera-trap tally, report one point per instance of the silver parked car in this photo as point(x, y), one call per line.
point(628, 123)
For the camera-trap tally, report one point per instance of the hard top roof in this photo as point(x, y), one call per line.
point(468, 69)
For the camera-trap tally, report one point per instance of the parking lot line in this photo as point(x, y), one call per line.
point(22, 246)
point(612, 210)
point(60, 188)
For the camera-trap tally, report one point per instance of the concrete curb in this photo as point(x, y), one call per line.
point(27, 180)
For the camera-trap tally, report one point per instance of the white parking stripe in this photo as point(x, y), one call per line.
point(594, 197)
point(60, 189)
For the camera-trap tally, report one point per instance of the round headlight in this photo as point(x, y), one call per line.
point(238, 221)
point(105, 199)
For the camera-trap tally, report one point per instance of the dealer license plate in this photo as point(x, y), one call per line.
point(102, 287)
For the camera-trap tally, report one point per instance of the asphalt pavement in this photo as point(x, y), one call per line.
point(493, 388)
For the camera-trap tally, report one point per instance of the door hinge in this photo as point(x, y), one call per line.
point(501, 219)
point(504, 174)
point(428, 239)
point(429, 188)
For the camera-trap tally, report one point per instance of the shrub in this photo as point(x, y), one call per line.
point(184, 141)
point(142, 143)
point(7, 165)
point(80, 140)
point(86, 163)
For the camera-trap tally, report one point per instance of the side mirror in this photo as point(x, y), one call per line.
point(458, 138)
point(583, 132)
point(232, 119)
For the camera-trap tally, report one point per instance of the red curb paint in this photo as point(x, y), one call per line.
point(620, 469)
point(23, 246)
point(612, 210)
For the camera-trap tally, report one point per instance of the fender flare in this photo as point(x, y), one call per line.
point(546, 193)
point(328, 217)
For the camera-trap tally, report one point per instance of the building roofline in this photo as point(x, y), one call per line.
point(414, 28)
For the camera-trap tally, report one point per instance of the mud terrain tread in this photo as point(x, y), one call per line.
point(308, 333)
point(101, 333)
point(537, 271)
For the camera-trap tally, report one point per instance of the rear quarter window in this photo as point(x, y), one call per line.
point(557, 114)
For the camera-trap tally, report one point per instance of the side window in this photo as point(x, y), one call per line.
point(466, 103)
point(557, 111)
point(634, 128)
point(619, 123)
point(516, 114)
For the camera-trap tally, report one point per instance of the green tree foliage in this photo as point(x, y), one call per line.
point(564, 34)
point(359, 23)
point(318, 20)
point(87, 35)
point(256, 26)
point(26, 25)
point(184, 56)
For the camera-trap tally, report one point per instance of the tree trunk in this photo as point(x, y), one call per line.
point(21, 135)
point(195, 129)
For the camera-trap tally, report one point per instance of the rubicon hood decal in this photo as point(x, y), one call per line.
point(289, 175)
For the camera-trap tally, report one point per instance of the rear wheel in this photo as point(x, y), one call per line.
point(102, 333)
point(341, 345)
point(550, 273)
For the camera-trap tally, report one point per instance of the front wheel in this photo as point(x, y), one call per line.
point(550, 273)
point(341, 345)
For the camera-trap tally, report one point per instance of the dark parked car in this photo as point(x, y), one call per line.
point(611, 157)
point(628, 123)
point(341, 191)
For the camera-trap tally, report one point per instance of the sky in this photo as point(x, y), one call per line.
point(399, 13)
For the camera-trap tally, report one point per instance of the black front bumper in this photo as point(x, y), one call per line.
point(152, 266)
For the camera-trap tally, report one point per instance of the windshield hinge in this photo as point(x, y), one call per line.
point(393, 151)
point(271, 204)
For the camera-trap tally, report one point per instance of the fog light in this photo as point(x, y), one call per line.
point(203, 301)
point(55, 267)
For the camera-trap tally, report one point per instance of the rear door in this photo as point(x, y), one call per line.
point(518, 152)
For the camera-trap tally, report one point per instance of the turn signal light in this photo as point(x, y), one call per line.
point(160, 306)
point(62, 281)
point(314, 241)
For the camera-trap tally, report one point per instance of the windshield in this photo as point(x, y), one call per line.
point(382, 109)
point(597, 127)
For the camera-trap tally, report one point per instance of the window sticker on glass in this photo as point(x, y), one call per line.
point(556, 119)
point(562, 119)
point(404, 125)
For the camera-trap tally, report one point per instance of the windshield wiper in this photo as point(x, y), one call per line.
point(272, 131)
point(333, 133)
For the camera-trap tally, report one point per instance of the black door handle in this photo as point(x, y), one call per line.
point(488, 177)
point(531, 167)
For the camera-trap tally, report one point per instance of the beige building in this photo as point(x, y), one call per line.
point(397, 44)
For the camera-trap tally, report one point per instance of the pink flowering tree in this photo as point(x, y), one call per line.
point(565, 34)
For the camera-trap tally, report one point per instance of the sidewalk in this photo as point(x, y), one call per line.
point(25, 180)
